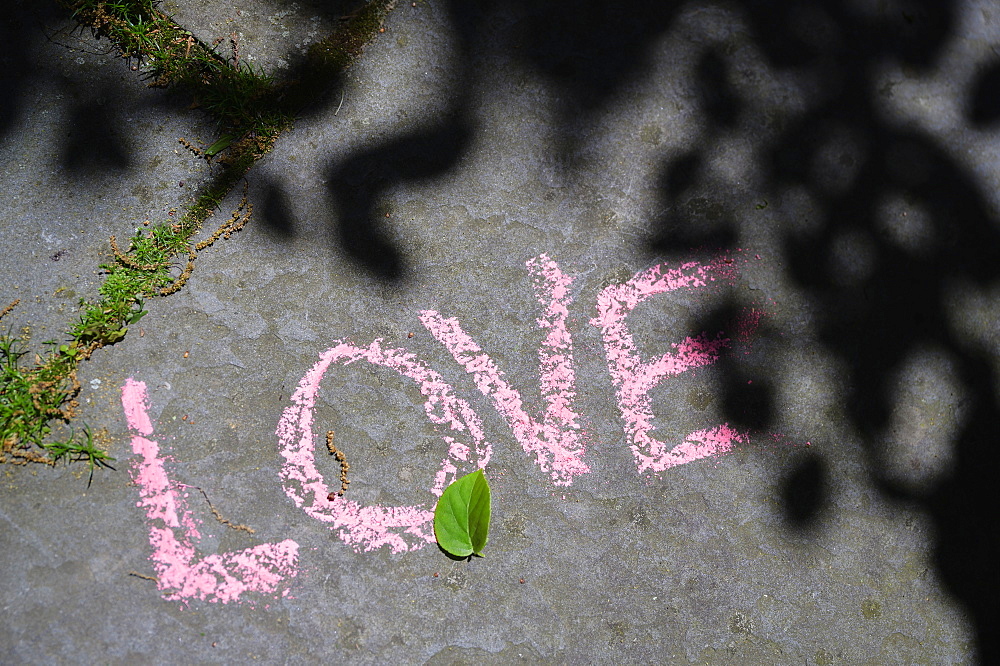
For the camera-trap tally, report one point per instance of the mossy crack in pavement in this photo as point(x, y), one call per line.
point(251, 110)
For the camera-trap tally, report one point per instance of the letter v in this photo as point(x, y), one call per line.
point(223, 577)
point(556, 441)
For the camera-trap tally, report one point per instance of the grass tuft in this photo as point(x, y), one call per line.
point(31, 400)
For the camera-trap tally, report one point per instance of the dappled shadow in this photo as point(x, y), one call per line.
point(92, 142)
point(276, 211)
point(696, 216)
point(21, 27)
point(899, 225)
point(894, 222)
point(746, 398)
point(358, 183)
point(984, 98)
point(596, 50)
point(880, 225)
point(804, 493)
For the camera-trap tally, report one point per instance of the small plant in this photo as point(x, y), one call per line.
point(31, 398)
point(104, 323)
point(81, 449)
point(462, 516)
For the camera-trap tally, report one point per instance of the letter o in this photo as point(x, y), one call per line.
point(401, 528)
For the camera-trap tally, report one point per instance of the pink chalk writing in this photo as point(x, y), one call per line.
point(634, 378)
point(553, 437)
point(555, 441)
point(400, 528)
point(224, 577)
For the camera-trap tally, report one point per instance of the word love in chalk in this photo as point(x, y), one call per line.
point(552, 438)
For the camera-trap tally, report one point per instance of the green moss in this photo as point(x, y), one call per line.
point(871, 609)
point(341, 48)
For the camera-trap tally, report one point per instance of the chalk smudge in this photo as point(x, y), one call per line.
point(223, 577)
point(367, 528)
point(555, 441)
point(634, 378)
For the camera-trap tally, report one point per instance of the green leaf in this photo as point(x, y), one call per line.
point(220, 145)
point(462, 515)
point(136, 316)
point(111, 337)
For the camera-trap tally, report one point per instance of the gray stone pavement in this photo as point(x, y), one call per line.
point(846, 196)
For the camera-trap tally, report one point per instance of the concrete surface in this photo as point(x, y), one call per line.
point(845, 161)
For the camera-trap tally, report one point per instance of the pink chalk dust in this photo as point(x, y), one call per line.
point(554, 440)
point(223, 577)
point(634, 377)
point(366, 528)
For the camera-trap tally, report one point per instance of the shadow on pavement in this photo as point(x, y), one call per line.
point(357, 184)
point(19, 29)
point(852, 166)
point(885, 291)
